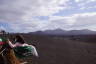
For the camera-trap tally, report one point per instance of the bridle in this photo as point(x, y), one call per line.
point(2, 50)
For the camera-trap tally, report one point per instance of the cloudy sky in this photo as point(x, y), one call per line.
point(34, 15)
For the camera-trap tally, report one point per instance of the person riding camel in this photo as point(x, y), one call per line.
point(21, 48)
point(19, 41)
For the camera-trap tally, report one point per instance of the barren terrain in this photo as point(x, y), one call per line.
point(62, 50)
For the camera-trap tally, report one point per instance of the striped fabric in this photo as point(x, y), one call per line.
point(2, 41)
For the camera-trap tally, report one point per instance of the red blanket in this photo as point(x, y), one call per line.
point(1, 43)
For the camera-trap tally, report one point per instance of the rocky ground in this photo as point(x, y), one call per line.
point(61, 50)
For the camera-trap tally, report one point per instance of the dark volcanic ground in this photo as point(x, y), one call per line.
point(61, 50)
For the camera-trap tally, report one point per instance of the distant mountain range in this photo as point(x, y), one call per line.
point(64, 32)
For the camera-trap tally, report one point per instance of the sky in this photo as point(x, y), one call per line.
point(39, 15)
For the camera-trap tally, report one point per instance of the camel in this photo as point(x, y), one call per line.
point(7, 55)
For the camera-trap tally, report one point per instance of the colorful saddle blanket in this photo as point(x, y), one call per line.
point(23, 51)
point(2, 41)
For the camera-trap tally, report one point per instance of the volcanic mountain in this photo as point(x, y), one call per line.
point(64, 32)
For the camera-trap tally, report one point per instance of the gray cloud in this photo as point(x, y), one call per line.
point(14, 10)
point(85, 21)
point(19, 14)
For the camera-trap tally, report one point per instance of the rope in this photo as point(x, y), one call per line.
point(5, 62)
point(2, 51)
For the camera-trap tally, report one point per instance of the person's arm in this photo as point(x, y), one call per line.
point(10, 44)
point(34, 51)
